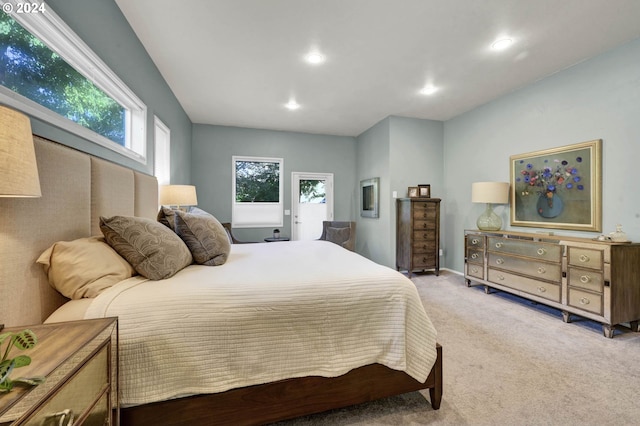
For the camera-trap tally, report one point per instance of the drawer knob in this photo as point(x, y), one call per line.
point(541, 270)
point(541, 289)
point(585, 279)
point(475, 241)
point(424, 247)
point(475, 270)
point(64, 417)
point(584, 258)
point(474, 256)
point(541, 251)
point(584, 301)
point(501, 277)
point(499, 261)
point(498, 245)
point(424, 225)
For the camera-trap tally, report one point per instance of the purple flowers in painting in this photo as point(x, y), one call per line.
point(553, 176)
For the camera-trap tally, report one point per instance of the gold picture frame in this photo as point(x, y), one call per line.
point(413, 192)
point(558, 188)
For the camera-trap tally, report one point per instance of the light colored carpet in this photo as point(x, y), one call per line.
point(508, 361)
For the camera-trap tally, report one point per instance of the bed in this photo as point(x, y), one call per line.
point(398, 355)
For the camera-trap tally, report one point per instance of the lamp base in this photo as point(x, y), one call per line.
point(488, 220)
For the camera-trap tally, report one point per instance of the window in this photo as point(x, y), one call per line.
point(48, 72)
point(257, 192)
point(162, 161)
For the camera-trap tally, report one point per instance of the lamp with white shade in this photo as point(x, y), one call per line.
point(18, 167)
point(489, 193)
point(178, 195)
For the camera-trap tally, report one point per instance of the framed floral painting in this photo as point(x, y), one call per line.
point(558, 188)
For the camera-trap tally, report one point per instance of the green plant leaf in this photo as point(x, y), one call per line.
point(4, 336)
point(31, 381)
point(5, 369)
point(26, 339)
point(22, 360)
point(6, 386)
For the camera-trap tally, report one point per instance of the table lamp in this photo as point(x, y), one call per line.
point(178, 195)
point(490, 193)
point(18, 168)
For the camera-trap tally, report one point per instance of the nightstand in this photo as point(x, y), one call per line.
point(275, 240)
point(80, 362)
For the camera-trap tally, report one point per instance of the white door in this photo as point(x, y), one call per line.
point(311, 202)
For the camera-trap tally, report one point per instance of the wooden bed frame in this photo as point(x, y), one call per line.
point(78, 188)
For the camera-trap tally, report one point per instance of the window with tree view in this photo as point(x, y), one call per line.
point(30, 68)
point(257, 191)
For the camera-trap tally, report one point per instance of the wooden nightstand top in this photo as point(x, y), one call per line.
point(61, 348)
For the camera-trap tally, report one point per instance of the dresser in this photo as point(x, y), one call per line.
point(418, 234)
point(79, 360)
point(599, 280)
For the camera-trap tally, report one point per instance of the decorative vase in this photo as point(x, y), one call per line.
point(618, 236)
point(549, 205)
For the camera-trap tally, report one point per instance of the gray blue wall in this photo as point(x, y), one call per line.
point(596, 99)
point(214, 146)
point(103, 27)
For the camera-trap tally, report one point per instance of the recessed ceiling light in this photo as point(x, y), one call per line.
point(292, 105)
point(428, 90)
point(501, 44)
point(314, 57)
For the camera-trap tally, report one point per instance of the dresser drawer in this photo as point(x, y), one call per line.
point(475, 241)
point(585, 300)
point(534, 268)
point(424, 235)
point(476, 271)
point(529, 285)
point(546, 251)
point(475, 256)
point(585, 258)
point(424, 260)
point(423, 225)
point(422, 212)
point(420, 247)
point(78, 394)
point(586, 279)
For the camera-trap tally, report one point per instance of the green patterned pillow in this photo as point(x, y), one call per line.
point(204, 235)
point(154, 250)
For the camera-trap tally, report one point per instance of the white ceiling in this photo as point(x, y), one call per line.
point(237, 62)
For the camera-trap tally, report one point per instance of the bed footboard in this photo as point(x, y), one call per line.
point(286, 399)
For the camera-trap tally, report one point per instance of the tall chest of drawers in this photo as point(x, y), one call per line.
point(598, 280)
point(418, 234)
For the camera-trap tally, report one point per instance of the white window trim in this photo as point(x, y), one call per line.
point(162, 154)
point(53, 31)
point(252, 215)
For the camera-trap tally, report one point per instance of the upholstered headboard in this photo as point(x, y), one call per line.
point(76, 190)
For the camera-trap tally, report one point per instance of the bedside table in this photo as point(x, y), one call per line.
point(80, 362)
point(275, 240)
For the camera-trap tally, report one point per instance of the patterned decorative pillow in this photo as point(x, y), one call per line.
point(205, 237)
point(84, 267)
point(166, 216)
point(338, 235)
point(154, 250)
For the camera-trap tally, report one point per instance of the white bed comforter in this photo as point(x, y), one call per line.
point(272, 311)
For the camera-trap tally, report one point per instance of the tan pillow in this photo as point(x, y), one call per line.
point(204, 235)
point(84, 267)
point(166, 216)
point(154, 250)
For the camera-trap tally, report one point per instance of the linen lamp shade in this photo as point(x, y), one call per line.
point(178, 195)
point(18, 167)
point(489, 193)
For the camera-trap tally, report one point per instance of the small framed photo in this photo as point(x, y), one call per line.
point(424, 191)
point(413, 192)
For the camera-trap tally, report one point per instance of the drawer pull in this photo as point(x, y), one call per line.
point(501, 277)
point(475, 241)
point(541, 290)
point(64, 417)
point(499, 261)
point(424, 247)
point(584, 301)
point(585, 279)
point(475, 270)
point(498, 245)
point(424, 225)
point(584, 258)
point(541, 251)
point(474, 256)
point(541, 270)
